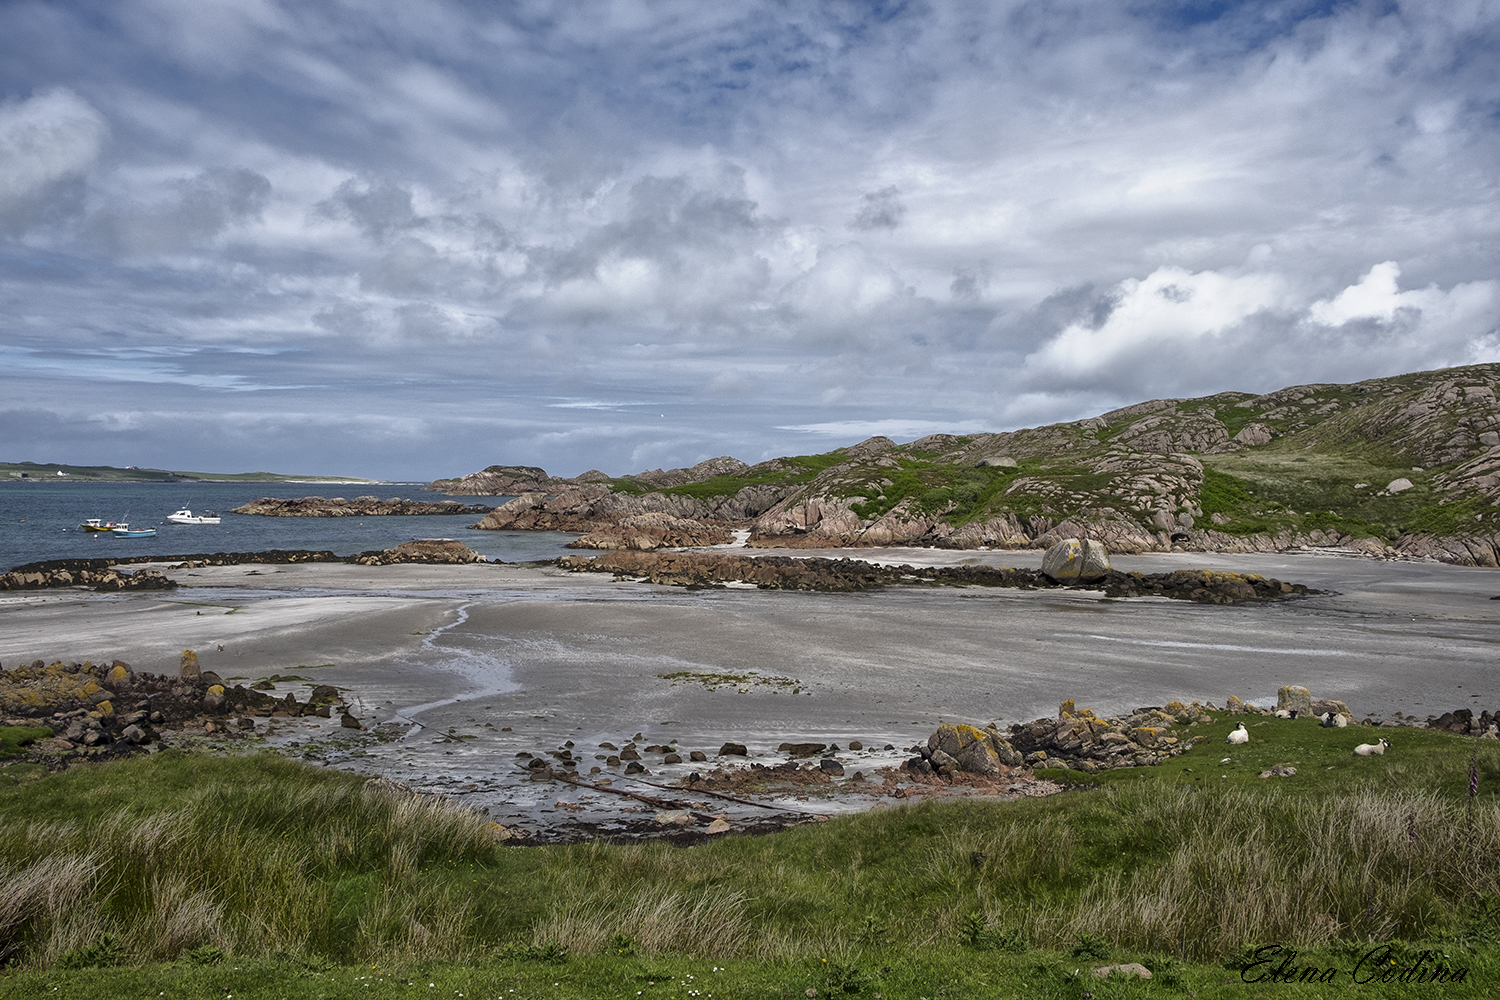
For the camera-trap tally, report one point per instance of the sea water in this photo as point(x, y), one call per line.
point(40, 520)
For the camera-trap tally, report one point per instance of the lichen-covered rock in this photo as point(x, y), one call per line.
point(1294, 698)
point(1074, 560)
point(189, 669)
point(119, 676)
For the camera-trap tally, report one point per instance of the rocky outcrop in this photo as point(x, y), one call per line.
point(106, 575)
point(444, 551)
point(103, 711)
point(1076, 561)
point(1466, 722)
point(106, 578)
point(786, 573)
point(513, 480)
point(595, 507)
point(358, 507)
point(643, 532)
point(502, 481)
point(660, 479)
point(1077, 740)
point(1133, 479)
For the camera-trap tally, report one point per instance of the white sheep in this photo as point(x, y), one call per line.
point(1370, 749)
point(1240, 735)
point(1333, 720)
point(1286, 713)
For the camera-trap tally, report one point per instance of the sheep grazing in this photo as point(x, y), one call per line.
point(1286, 713)
point(1240, 735)
point(1371, 749)
point(1333, 720)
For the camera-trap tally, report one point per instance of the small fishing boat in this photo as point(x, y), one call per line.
point(186, 516)
point(126, 531)
point(96, 524)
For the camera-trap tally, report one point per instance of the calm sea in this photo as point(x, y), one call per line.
point(40, 520)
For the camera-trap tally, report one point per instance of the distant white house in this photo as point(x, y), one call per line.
point(61, 472)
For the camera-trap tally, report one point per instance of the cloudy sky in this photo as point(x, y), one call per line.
point(412, 238)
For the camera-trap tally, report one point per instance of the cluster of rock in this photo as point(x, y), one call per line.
point(105, 574)
point(98, 710)
point(425, 550)
point(589, 507)
point(568, 761)
point(787, 573)
point(644, 532)
point(358, 507)
point(1464, 722)
point(509, 480)
point(1077, 740)
point(104, 578)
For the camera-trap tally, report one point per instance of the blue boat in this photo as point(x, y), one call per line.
point(126, 531)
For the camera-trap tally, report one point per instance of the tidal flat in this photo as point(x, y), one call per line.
point(455, 670)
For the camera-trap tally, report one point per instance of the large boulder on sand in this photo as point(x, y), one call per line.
point(1075, 560)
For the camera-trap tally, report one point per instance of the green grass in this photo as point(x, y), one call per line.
point(290, 874)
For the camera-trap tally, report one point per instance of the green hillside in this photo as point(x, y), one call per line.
point(1303, 458)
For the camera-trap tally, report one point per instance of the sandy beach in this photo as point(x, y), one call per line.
point(456, 669)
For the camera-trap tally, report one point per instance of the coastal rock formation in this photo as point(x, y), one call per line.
point(446, 551)
point(654, 531)
point(1076, 561)
point(358, 507)
point(105, 574)
point(1466, 722)
point(105, 577)
point(786, 573)
point(505, 480)
point(103, 711)
point(1206, 474)
point(1077, 739)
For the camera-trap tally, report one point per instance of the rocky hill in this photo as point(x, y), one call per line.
point(1408, 465)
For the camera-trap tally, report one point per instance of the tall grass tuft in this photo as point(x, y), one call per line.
point(161, 858)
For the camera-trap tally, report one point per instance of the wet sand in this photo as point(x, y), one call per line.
point(443, 660)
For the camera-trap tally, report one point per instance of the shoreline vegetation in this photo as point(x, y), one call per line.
point(1285, 863)
point(239, 870)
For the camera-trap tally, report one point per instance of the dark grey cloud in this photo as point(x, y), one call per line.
point(881, 209)
point(425, 237)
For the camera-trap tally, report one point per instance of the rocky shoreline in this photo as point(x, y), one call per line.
point(98, 711)
point(104, 574)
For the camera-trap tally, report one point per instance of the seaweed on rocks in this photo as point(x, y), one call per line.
point(787, 573)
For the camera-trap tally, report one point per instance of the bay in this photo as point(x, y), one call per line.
point(39, 520)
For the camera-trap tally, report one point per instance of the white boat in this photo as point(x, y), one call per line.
point(186, 516)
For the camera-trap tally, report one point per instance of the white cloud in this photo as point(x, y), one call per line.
point(45, 139)
point(897, 430)
point(1466, 309)
point(1170, 310)
point(773, 216)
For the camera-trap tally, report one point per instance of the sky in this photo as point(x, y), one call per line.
point(408, 239)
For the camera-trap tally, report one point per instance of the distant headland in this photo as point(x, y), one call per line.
point(53, 472)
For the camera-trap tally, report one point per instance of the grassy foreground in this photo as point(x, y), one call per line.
point(193, 875)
